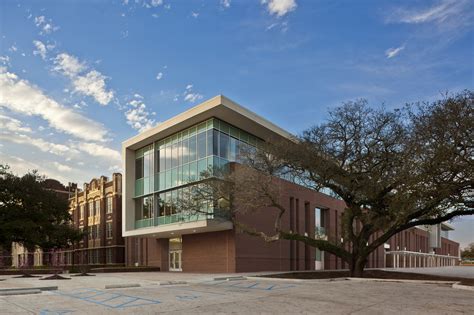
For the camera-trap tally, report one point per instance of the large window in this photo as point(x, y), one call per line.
point(139, 168)
point(97, 207)
point(109, 205)
point(81, 210)
point(183, 157)
point(144, 208)
point(108, 230)
point(91, 209)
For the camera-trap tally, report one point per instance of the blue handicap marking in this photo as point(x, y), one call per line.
point(54, 312)
point(108, 299)
point(253, 285)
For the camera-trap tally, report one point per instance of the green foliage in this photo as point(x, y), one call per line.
point(32, 215)
point(468, 252)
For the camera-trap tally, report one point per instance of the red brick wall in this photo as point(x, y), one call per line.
point(209, 252)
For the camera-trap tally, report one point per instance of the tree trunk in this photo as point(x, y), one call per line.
point(357, 266)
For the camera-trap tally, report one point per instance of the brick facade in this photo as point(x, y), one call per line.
point(229, 251)
point(92, 213)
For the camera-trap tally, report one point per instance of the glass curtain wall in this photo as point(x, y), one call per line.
point(180, 160)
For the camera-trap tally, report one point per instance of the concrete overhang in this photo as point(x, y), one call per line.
point(447, 227)
point(181, 228)
point(219, 107)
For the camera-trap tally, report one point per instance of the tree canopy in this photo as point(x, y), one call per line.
point(394, 170)
point(32, 215)
point(468, 252)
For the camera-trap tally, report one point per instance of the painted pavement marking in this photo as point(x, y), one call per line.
point(251, 285)
point(108, 299)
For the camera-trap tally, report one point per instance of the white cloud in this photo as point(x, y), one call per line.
point(138, 116)
point(283, 26)
point(39, 143)
point(21, 96)
point(12, 124)
point(439, 13)
point(91, 84)
point(5, 60)
point(189, 95)
point(156, 3)
point(40, 49)
point(46, 25)
point(97, 150)
point(192, 97)
point(80, 105)
point(194, 14)
point(72, 150)
point(61, 167)
point(68, 65)
point(159, 75)
point(225, 3)
point(392, 52)
point(13, 48)
point(279, 7)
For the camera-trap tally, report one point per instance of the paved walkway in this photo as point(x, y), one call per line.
point(454, 271)
point(201, 294)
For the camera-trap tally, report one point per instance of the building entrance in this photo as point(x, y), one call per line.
point(175, 255)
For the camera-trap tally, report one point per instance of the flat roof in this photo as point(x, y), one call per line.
point(219, 107)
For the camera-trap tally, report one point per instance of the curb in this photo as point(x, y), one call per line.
point(230, 278)
point(122, 286)
point(173, 282)
point(463, 287)
point(296, 280)
point(49, 288)
point(400, 280)
point(20, 292)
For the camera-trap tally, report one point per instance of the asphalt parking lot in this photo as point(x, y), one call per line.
point(187, 293)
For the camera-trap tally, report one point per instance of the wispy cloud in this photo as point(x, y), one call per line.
point(392, 52)
point(137, 115)
point(41, 49)
point(12, 124)
point(159, 75)
point(447, 15)
point(225, 4)
point(23, 97)
point(279, 7)
point(190, 96)
point(87, 82)
point(282, 26)
point(15, 131)
point(45, 25)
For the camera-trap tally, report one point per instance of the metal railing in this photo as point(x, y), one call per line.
point(409, 259)
point(171, 219)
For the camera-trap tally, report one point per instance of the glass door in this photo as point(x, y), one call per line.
point(175, 260)
point(175, 256)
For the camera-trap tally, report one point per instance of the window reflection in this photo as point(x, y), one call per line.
point(183, 157)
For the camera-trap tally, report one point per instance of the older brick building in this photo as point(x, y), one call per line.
point(97, 210)
point(164, 162)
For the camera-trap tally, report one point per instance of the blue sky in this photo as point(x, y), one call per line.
point(79, 77)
